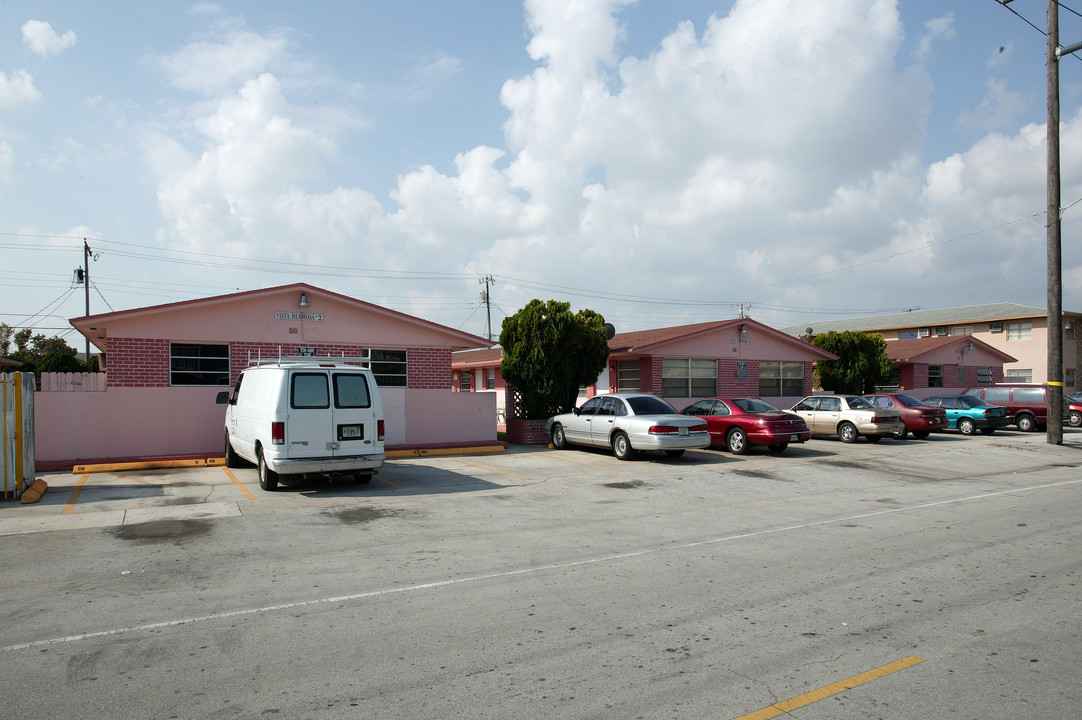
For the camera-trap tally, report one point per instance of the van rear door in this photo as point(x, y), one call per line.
point(308, 423)
point(355, 422)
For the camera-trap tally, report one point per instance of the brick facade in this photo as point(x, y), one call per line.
point(143, 362)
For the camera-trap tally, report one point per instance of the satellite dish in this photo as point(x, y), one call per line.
point(610, 330)
point(808, 331)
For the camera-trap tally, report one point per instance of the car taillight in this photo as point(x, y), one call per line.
point(379, 430)
point(880, 418)
point(988, 411)
point(663, 429)
point(278, 433)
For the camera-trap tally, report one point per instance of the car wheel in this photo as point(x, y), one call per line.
point(621, 447)
point(778, 447)
point(920, 434)
point(988, 431)
point(232, 460)
point(848, 432)
point(900, 434)
point(1075, 419)
point(737, 441)
point(674, 453)
point(1026, 423)
point(966, 426)
point(559, 440)
point(874, 438)
point(268, 479)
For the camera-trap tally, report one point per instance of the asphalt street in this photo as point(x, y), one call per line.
point(916, 579)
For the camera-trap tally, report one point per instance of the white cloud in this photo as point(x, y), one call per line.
point(7, 160)
point(40, 37)
point(17, 89)
point(940, 28)
point(211, 67)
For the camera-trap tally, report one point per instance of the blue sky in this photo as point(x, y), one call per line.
point(658, 162)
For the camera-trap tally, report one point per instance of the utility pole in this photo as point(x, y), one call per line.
point(86, 288)
point(487, 299)
point(1055, 283)
point(742, 307)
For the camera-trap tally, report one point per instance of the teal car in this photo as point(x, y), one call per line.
point(968, 414)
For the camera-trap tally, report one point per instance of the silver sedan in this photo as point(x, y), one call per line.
point(628, 422)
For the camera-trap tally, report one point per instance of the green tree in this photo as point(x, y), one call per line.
point(38, 353)
point(548, 352)
point(861, 365)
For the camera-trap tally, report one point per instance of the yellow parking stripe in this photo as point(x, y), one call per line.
point(70, 507)
point(822, 693)
point(238, 483)
point(479, 467)
point(587, 464)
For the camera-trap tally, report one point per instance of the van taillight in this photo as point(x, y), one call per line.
point(379, 430)
point(278, 433)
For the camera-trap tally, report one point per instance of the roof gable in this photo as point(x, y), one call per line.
point(269, 314)
point(933, 349)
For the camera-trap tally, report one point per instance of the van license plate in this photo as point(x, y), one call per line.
point(349, 431)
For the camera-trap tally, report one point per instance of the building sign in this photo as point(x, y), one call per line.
point(306, 352)
point(740, 341)
point(310, 317)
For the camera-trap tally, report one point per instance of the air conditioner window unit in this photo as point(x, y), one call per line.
point(995, 327)
point(924, 332)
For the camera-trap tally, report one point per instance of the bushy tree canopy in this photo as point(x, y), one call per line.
point(548, 352)
point(861, 365)
point(38, 353)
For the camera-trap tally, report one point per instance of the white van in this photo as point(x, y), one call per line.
point(305, 417)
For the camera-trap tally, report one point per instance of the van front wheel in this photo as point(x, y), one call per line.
point(232, 460)
point(268, 479)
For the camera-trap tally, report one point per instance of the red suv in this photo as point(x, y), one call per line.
point(1027, 405)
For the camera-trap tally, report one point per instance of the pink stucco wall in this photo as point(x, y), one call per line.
point(147, 422)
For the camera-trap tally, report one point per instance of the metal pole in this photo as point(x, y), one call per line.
point(1055, 287)
point(86, 288)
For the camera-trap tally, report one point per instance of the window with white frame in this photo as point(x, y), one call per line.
point(1020, 331)
point(962, 330)
point(465, 382)
point(1021, 374)
point(935, 376)
point(389, 367)
point(198, 364)
point(689, 377)
point(781, 379)
point(627, 376)
point(490, 379)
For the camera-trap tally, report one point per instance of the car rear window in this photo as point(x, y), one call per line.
point(644, 405)
point(309, 391)
point(351, 391)
point(909, 401)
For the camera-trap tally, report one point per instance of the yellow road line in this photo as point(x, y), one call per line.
point(238, 483)
point(480, 467)
point(822, 693)
point(385, 481)
point(70, 507)
point(587, 464)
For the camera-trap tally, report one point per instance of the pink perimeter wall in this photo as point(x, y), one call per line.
point(78, 427)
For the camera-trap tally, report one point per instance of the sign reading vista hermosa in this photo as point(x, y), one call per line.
point(311, 317)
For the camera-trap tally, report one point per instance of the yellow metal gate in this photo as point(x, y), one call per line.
point(16, 433)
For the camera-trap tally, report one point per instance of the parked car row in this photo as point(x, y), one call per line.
point(630, 422)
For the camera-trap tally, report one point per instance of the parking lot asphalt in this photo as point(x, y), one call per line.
point(126, 496)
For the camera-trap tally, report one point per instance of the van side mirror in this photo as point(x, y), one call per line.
point(222, 398)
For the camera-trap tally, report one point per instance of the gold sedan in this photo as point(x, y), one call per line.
point(848, 417)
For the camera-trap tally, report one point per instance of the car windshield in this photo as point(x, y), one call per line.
point(856, 401)
point(969, 401)
point(909, 401)
point(754, 405)
point(647, 405)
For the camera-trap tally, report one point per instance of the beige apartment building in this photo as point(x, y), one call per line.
point(1017, 330)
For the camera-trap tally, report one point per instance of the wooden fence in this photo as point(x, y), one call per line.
point(16, 433)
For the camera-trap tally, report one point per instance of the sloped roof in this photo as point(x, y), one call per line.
point(95, 327)
point(910, 351)
point(643, 341)
point(477, 358)
point(921, 318)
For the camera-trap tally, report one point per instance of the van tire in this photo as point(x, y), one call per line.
point(1025, 422)
point(362, 478)
point(232, 460)
point(268, 479)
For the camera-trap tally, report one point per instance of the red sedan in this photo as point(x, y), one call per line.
point(919, 419)
point(742, 422)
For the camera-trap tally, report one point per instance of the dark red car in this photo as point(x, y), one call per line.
point(742, 422)
point(919, 419)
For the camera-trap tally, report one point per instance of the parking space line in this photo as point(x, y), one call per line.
point(481, 467)
point(587, 464)
point(385, 481)
point(822, 693)
point(238, 483)
point(70, 507)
